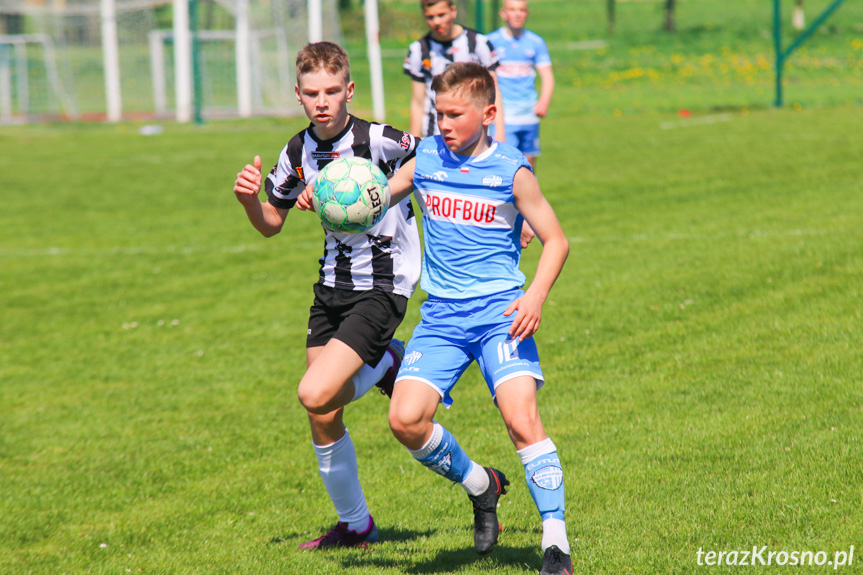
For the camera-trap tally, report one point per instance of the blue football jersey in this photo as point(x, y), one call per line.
point(471, 226)
point(516, 72)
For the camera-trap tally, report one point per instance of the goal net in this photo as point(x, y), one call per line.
point(53, 65)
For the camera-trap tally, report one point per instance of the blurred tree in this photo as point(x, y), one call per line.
point(799, 19)
point(610, 5)
point(11, 23)
point(669, 15)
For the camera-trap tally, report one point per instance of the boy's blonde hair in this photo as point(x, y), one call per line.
point(326, 56)
point(467, 78)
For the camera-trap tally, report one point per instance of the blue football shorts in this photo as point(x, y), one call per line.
point(455, 332)
point(525, 137)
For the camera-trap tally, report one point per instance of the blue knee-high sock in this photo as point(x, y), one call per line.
point(544, 477)
point(443, 455)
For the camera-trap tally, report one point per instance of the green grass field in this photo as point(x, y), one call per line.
point(702, 350)
point(720, 59)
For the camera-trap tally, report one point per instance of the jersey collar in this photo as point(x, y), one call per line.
point(335, 138)
point(473, 159)
point(448, 43)
point(507, 35)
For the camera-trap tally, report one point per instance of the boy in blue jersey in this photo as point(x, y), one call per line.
point(522, 56)
point(475, 193)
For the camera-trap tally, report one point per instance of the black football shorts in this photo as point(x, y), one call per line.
point(365, 321)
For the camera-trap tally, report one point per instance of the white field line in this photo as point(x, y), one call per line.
point(187, 250)
point(698, 121)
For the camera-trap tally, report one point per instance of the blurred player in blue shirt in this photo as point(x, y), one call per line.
point(522, 56)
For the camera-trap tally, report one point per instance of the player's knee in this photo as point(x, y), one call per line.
point(525, 428)
point(406, 427)
point(314, 399)
point(398, 425)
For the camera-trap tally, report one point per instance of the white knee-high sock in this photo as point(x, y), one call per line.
point(368, 376)
point(337, 463)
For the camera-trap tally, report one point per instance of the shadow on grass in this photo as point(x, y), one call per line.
point(526, 558)
point(388, 535)
point(447, 561)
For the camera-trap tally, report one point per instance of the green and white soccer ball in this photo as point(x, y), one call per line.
point(351, 195)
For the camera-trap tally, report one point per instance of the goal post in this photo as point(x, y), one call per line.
point(182, 61)
point(259, 75)
point(144, 60)
point(29, 84)
point(111, 59)
point(373, 46)
point(244, 60)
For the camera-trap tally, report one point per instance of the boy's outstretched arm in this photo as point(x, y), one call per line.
point(555, 248)
point(265, 217)
point(402, 183)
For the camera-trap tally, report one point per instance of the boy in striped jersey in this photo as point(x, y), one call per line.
point(445, 43)
point(365, 278)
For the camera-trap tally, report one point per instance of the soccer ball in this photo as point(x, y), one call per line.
point(351, 195)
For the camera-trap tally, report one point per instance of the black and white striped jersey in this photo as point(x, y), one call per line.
point(386, 257)
point(427, 58)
